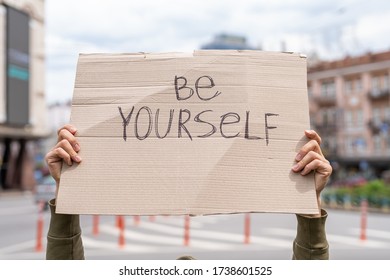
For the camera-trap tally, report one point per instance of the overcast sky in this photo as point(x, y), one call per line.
point(331, 28)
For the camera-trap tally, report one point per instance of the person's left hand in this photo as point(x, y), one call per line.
point(310, 158)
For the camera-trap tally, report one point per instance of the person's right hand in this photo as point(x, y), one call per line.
point(66, 150)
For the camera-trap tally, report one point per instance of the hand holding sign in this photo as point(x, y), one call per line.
point(310, 157)
point(65, 151)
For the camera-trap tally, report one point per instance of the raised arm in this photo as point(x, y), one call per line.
point(310, 242)
point(64, 236)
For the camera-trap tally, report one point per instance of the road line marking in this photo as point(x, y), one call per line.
point(164, 240)
point(18, 247)
point(381, 234)
point(203, 234)
point(345, 240)
point(96, 244)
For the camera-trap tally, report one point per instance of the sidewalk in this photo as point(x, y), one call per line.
point(15, 194)
point(350, 207)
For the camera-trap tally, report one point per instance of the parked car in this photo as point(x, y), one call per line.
point(45, 190)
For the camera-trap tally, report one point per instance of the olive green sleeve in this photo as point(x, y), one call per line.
point(64, 237)
point(310, 242)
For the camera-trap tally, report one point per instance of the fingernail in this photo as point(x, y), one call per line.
point(295, 167)
point(77, 158)
point(72, 129)
point(298, 157)
point(77, 147)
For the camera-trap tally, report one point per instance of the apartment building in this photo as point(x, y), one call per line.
point(350, 108)
point(23, 115)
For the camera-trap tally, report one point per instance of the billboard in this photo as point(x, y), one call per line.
point(17, 67)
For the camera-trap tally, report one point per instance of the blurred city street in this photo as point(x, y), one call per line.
point(211, 237)
point(345, 49)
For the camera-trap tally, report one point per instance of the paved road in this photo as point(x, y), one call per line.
point(211, 237)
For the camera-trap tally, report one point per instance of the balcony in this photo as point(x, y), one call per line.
point(378, 126)
point(330, 152)
point(376, 94)
point(326, 128)
point(325, 100)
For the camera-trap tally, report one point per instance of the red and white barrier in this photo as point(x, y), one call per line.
point(186, 230)
point(95, 225)
point(121, 225)
point(137, 220)
point(363, 219)
point(247, 228)
point(39, 244)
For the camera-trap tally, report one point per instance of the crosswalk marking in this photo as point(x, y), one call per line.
point(333, 238)
point(195, 233)
point(164, 240)
point(18, 247)
point(381, 234)
point(14, 211)
point(98, 244)
point(167, 235)
point(196, 222)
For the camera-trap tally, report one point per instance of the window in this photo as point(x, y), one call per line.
point(359, 118)
point(348, 118)
point(376, 85)
point(328, 116)
point(353, 85)
point(388, 143)
point(377, 143)
point(386, 82)
point(349, 145)
point(348, 87)
point(328, 89)
point(332, 144)
point(358, 85)
point(387, 114)
point(310, 90)
point(376, 116)
point(360, 144)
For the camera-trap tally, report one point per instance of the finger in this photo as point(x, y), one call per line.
point(312, 145)
point(311, 134)
point(309, 157)
point(323, 170)
point(68, 127)
point(67, 147)
point(65, 134)
point(58, 154)
point(320, 166)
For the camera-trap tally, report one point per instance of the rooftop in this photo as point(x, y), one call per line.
point(349, 61)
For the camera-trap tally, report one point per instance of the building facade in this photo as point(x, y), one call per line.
point(227, 42)
point(23, 117)
point(350, 108)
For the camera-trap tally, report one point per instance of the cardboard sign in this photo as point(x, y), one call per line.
point(208, 132)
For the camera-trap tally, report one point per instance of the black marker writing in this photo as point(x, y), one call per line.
point(223, 122)
point(268, 127)
point(125, 121)
point(169, 123)
point(181, 124)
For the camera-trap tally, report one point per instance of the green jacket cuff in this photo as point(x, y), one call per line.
point(311, 242)
point(63, 225)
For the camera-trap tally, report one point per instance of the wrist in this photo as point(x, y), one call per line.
point(319, 210)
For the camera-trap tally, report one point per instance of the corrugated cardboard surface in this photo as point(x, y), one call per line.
point(190, 170)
